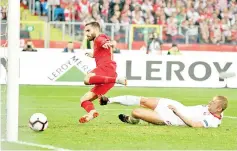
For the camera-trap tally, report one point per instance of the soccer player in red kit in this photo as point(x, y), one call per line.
point(104, 76)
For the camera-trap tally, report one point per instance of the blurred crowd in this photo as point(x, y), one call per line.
point(3, 15)
point(204, 21)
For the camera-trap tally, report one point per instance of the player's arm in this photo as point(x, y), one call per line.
point(90, 54)
point(106, 43)
point(186, 120)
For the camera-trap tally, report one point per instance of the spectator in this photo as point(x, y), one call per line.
point(130, 4)
point(58, 13)
point(126, 11)
point(105, 10)
point(69, 13)
point(113, 8)
point(154, 44)
point(83, 8)
point(171, 14)
point(174, 50)
point(138, 19)
point(192, 14)
point(37, 7)
point(69, 48)
point(147, 5)
point(29, 46)
point(216, 34)
point(24, 34)
point(3, 13)
point(125, 19)
point(100, 21)
point(169, 10)
point(24, 4)
point(225, 27)
point(115, 19)
point(44, 4)
point(149, 19)
point(180, 15)
point(136, 11)
point(234, 33)
point(172, 29)
point(204, 31)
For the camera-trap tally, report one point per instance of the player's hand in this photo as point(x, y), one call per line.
point(107, 45)
point(172, 108)
point(89, 54)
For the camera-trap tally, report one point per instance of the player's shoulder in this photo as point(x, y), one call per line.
point(211, 121)
point(103, 36)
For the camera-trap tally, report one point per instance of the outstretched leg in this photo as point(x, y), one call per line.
point(130, 100)
point(143, 114)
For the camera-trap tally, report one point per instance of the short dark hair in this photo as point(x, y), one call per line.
point(93, 24)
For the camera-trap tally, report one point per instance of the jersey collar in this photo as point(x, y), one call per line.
point(219, 117)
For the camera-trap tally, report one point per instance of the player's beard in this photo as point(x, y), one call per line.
point(92, 37)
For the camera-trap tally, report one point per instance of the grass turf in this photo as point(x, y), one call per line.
point(61, 105)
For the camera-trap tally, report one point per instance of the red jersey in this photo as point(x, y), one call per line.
point(103, 57)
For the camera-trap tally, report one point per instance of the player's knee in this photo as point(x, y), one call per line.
point(136, 113)
point(143, 101)
point(87, 78)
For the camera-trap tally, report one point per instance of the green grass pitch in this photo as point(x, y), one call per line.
point(61, 105)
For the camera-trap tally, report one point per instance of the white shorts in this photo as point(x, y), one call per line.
point(167, 115)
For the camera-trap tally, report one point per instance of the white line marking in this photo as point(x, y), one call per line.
point(38, 145)
point(233, 117)
point(63, 108)
point(56, 96)
point(68, 96)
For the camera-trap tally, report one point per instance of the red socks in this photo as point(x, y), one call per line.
point(88, 106)
point(101, 80)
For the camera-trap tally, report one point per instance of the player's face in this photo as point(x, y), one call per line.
point(90, 33)
point(214, 105)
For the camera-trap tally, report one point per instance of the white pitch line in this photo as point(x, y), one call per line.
point(108, 109)
point(233, 117)
point(38, 145)
point(63, 108)
point(53, 96)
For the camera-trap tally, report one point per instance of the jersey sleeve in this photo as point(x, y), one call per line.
point(210, 121)
point(101, 41)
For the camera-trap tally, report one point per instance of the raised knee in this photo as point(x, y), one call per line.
point(86, 80)
point(143, 101)
point(136, 113)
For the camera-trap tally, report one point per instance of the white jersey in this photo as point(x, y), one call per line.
point(200, 113)
point(197, 113)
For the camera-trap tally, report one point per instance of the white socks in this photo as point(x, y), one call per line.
point(128, 100)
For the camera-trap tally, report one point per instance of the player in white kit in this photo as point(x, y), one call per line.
point(163, 111)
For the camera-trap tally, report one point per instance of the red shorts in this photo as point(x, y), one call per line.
point(103, 88)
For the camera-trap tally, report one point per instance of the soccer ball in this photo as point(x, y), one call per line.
point(38, 122)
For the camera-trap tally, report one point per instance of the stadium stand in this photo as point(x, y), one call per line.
point(202, 21)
